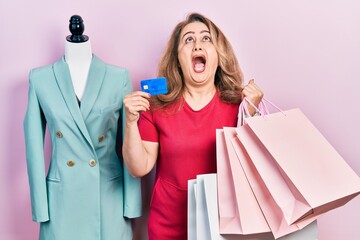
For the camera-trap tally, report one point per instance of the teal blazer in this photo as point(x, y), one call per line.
point(87, 192)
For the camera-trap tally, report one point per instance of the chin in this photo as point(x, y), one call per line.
point(200, 79)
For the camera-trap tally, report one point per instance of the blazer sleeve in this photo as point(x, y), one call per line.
point(34, 130)
point(132, 186)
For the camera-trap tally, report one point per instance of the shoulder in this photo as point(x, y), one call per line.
point(221, 103)
point(42, 72)
point(115, 76)
point(227, 108)
point(38, 71)
point(111, 68)
point(118, 75)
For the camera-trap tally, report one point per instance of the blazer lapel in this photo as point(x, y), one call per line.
point(93, 86)
point(63, 78)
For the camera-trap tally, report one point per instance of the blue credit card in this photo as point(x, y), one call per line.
point(154, 86)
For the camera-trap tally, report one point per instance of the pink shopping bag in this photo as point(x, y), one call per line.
point(229, 220)
point(251, 217)
point(302, 172)
point(239, 211)
point(316, 175)
point(271, 210)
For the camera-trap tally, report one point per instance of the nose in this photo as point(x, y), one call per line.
point(197, 47)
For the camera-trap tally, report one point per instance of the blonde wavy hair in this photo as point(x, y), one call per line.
point(228, 76)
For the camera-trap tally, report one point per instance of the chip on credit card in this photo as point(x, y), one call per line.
point(154, 86)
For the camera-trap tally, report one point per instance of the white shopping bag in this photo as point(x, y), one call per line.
point(191, 216)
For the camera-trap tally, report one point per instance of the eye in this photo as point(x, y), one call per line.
point(207, 39)
point(189, 40)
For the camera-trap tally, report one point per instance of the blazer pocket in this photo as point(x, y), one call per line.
point(106, 118)
point(115, 178)
point(50, 179)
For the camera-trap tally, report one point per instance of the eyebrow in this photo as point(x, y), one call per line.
point(192, 32)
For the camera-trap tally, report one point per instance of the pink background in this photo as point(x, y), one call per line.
point(302, 54)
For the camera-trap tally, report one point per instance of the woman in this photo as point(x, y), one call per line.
point(177, 130)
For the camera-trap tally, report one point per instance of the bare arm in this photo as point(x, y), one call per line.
point(139, 156)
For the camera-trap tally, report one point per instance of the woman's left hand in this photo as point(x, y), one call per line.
point(254, 94)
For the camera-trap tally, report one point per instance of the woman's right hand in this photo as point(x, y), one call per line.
point(134, 103)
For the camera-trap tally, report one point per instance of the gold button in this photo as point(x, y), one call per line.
point(101, 138)
point(59, 134)
point(70, 163)
point(92, 163)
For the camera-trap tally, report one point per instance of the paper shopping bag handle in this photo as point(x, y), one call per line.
point(261, 110)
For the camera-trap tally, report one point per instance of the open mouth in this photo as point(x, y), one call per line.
point(199, 62)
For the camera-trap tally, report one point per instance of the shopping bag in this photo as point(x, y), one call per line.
point(202, 208)
point(303, 173)
point(309, 232)
point(239, 212)
point(229, 219)
point(191, 208)
point(207, 199)
point(272, 212)
point(204, 190)
point(203, 228)
point(207, 212)
point(250, 215)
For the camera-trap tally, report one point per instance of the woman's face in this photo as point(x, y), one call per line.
point(197, 55)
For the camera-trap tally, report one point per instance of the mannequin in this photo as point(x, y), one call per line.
point(78, 55)
point(86, 192)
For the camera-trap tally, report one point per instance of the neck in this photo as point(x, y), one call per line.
point(75, 52)
point(197, 93)
point(197, 99)
point(78, 57)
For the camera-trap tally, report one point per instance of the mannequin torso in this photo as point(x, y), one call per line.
point(99, 203)
point(78, 57)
